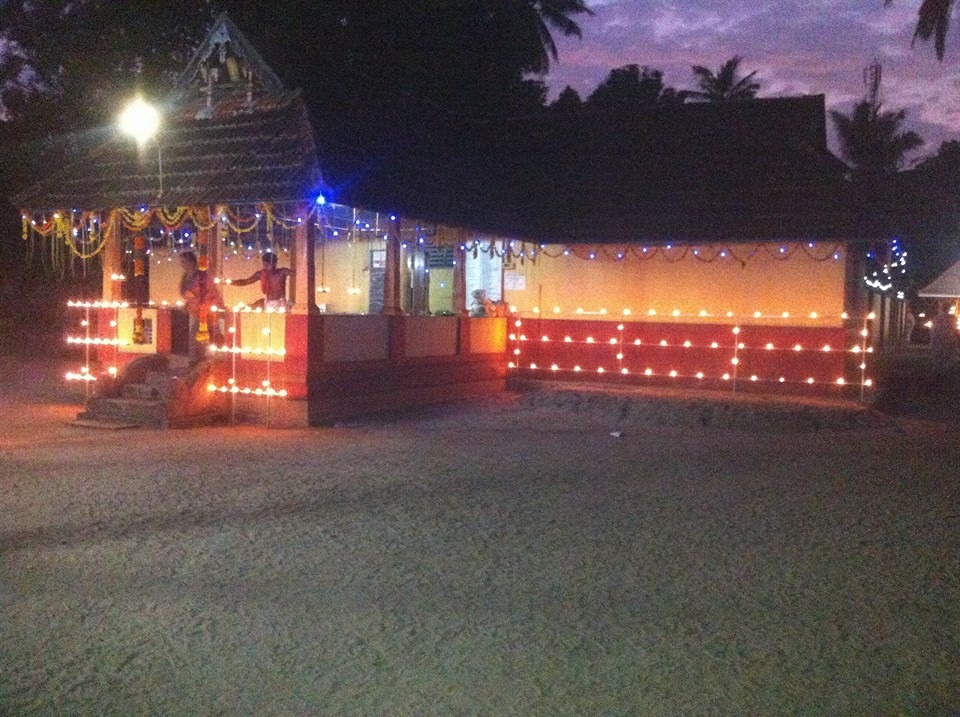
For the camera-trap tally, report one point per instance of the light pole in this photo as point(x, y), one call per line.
point(141, 121)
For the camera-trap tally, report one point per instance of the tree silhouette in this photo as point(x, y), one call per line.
point(871, 140)
point(725, 85)
point(933, 21)
point(567, 101)
point(632, 87)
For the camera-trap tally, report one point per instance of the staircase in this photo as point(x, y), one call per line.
point(157, 391)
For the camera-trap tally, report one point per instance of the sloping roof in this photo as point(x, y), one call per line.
point(757, 170)
point(945, 286)
point(246, 158)
point(230, 134)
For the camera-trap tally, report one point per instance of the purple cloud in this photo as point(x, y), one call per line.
point(796, 46)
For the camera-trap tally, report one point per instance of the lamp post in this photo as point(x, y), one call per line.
point(141, 121)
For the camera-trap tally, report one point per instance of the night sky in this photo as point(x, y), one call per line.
point(796, 46)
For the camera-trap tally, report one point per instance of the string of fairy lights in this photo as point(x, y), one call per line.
point(619, 356)
point(96, 311)
point(233, 350)
point(246, 232)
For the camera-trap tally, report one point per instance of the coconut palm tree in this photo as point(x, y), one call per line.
point(933, 21)
point(724, 86)
point(540, 16)
point(871, 139)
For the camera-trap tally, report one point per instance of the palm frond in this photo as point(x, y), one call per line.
point(933, 21)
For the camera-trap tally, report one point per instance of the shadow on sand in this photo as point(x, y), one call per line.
point(907, 386)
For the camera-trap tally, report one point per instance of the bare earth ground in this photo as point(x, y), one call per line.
point(505, 557)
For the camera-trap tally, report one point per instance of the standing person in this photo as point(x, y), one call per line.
point(199, 296)
point(943, 340)
point(273, 283)
point(909, 324)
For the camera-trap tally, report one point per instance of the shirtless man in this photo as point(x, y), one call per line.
point(273, 283)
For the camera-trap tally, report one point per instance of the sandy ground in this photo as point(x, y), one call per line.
point(504, 557)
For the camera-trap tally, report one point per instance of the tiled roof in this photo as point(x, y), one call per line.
point(262, 156)
point(756, 170)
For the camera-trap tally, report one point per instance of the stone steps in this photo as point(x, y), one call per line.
point(158, 391)
point(144, 412)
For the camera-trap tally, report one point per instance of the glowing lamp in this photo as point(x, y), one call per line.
point(140, 120)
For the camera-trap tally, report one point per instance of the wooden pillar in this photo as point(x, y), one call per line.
point(461, 306)
point(215, 248)
point(112, 256)
point(304, 278)
point(392, 305)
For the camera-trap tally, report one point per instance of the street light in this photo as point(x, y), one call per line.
point(141, 121)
